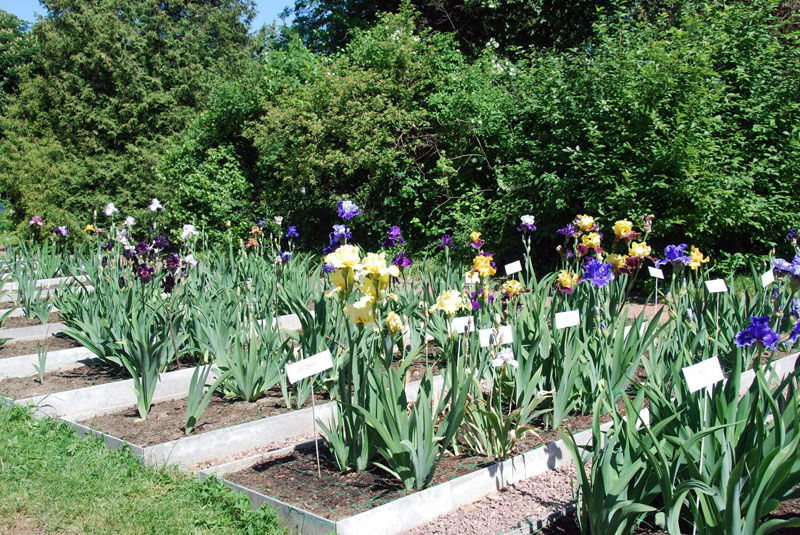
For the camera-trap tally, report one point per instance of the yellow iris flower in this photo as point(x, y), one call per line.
point(697, 258)
point(591, 240)
point(639, 250)
point(623, 227)
point(585, 222)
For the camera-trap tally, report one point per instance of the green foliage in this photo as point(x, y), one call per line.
point(327, 25)
point(15, 56)
point(109, 85)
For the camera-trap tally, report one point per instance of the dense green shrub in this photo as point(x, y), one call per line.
point(689, 111)
point(109, 85)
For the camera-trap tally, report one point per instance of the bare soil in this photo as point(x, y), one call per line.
point(293, 477)
point(20, 321)
point(94, 373)
point(167, 419)
point(54, 343)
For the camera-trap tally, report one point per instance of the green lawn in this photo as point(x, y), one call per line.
point(52, 481)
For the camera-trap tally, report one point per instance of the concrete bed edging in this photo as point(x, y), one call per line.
point(22, 366)
point(84, 403)
point(44, 283)
point(32, 333)
point(63, 359)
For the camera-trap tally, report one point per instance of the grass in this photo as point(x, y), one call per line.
point(52, 481)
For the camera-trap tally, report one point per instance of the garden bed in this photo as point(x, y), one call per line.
point(166, 419)
point(21, 321)
point(358, 502)
point(90, 374)
point(30, 347)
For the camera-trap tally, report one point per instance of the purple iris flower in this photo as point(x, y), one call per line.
point(794, 335)
point(146, 273)
point(674, 254)
point(291, 232)
point(328, 268)
point(107, 246)
point(402, 261)
point(168, 283)
point(340, 233)
point(568, 231)
point(598, 273)
point(395, 237)
point(757, 331)
point(447, 241)
point(792, 235)
point(260, 223)
point(62, 231)
point(172, 261)
point(285, 256)
point(475, 298)
point(121, 282)
point(348, 210)
point(527, 224)
point(160, 243)
point(142, 248)
point(795, 308)
point(784, 267)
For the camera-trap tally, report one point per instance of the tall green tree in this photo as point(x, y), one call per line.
point(110, 84)
point(15, 55)
point(327, 25)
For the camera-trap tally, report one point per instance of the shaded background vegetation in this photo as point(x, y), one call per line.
point(438, 116)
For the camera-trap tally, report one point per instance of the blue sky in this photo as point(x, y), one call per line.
point(268, 10)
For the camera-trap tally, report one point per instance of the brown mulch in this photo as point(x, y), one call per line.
point(21, 321)
point(167, 419)
point(54, 343)
point(293, 478)
point(94, 373)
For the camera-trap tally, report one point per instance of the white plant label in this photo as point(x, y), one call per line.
point(504, 335)
point(767, 278)
point(642, 329)
point(513, 267)
point(568, 319)
point(656, 273)
point(472, 278)
point(703, 374)
point(716, 286)
point(310, 366)
point(461, 325)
